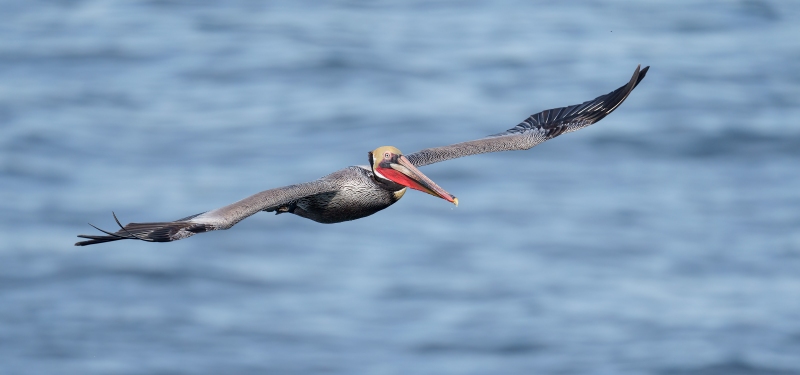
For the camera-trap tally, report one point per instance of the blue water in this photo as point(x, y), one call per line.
point(663, 240)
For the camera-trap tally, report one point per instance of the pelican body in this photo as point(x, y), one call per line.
point(359, 191)
point(361, 194)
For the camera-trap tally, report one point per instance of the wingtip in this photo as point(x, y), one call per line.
point(91, 240)
point(640, 73)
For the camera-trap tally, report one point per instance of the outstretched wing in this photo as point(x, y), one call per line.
point(536, 128)
point(221, 218)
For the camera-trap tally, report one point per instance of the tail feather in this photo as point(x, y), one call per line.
point(149, 232)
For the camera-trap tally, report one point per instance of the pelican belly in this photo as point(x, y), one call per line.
point(358, 196)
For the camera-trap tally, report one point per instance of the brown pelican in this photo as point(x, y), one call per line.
point(360, 191)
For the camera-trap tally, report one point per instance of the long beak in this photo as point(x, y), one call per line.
point(411, 176)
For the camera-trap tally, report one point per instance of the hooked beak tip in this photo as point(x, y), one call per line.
point(455, 201)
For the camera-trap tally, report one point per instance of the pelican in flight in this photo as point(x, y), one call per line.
point(360, 191)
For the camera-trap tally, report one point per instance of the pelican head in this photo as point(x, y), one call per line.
point(388, 163)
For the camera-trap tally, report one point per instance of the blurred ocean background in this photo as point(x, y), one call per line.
point(663, 240)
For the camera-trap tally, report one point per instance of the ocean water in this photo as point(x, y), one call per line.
point(663, 240)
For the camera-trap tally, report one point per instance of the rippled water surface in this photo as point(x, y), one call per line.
point(663, 240)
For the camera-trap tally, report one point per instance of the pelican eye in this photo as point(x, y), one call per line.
point(387, 155)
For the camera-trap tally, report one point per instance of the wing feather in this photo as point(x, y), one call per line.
point(537, 128)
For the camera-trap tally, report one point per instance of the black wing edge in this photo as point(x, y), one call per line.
point(148, 232)
point(559, 120)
